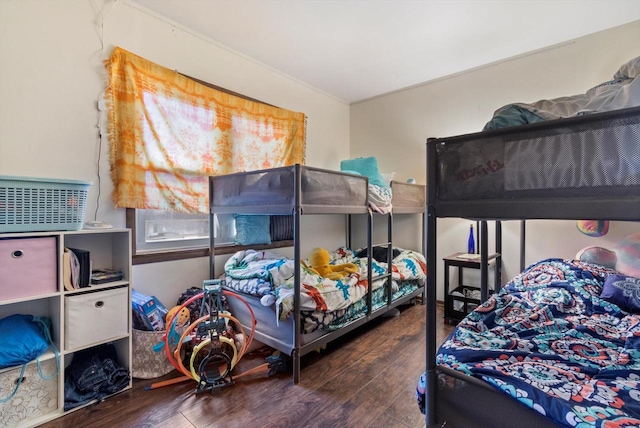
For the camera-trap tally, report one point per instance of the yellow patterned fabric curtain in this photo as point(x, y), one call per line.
point(169, 133)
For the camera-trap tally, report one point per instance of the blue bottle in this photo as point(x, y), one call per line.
point(471, 244)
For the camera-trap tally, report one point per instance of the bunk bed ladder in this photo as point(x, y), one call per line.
point(387, 276)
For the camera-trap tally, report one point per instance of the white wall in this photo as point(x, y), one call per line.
point(394, 128)
point(51, 78)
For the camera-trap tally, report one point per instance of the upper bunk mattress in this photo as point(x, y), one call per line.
point(591, 158)
point(277, 190)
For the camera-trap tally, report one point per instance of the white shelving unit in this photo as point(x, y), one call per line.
point(105, 310)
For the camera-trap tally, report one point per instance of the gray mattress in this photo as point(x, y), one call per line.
point(276, 335)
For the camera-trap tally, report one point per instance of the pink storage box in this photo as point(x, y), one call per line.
point(27, 267)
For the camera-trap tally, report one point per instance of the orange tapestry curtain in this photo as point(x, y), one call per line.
point(169, 133)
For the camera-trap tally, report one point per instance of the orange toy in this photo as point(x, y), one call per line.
point(319, 260)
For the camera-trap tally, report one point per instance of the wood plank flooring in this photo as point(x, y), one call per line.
point(366, 378)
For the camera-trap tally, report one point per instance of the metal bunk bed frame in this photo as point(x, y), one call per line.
point(296, 206)
point(617, 199)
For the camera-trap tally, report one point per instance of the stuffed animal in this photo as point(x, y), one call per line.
point(319, 261)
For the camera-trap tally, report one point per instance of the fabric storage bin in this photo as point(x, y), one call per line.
point(95, 317)
point(35, 396)
point(148, 364)
point(27, 267)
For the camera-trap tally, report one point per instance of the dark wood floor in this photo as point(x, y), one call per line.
point(365, 379)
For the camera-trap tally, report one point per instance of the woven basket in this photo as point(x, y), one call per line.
point(148, 364)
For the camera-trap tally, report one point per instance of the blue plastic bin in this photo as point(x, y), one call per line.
point(29, 204)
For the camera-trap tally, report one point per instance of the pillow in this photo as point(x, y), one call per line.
point(388, 178)
point(252, 229)
point(281, 227)
point(623, 291)
point(365, 166)
point(598, 255)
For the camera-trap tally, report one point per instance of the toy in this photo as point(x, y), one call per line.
point(148, 312)
point(319, 260)
point(182, 318)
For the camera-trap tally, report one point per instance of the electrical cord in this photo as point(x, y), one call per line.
point(100, 33)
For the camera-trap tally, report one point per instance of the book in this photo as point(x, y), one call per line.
point(468, 256)
point(84, 268)
point(66, 269)
point(102, 276)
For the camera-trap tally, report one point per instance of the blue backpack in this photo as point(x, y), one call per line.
point(23, 338)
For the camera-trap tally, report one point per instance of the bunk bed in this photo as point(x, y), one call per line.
point(301, 190)
point(574, 168)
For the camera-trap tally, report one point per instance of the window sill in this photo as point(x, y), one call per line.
point(167, 256)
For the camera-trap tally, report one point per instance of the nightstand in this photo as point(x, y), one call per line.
point(464, 298)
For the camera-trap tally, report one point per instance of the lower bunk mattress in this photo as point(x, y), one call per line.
point(553, 341)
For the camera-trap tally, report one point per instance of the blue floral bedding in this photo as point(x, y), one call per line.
point(551, 342)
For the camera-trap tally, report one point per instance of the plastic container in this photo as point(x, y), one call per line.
point(29, 204)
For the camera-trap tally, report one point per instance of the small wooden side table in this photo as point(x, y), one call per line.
point(464, 298)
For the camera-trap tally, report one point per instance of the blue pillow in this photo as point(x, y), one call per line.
point(367, 167)
point(252, 229)
point(623, 291)
point(281, 227)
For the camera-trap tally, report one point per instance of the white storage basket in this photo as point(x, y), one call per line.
point(95, 317)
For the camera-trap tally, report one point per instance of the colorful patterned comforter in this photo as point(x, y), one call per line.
point(325, 295)
point(551, 342)
point(263, 272)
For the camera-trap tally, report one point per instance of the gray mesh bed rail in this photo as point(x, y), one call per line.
point(586, 167)
point(408, 197)
point(279, 190)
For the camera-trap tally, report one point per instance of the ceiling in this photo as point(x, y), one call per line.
point(358, 49)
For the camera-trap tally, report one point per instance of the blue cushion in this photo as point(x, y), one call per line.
point(365, 166)
point(623, 291)
point(252, 229)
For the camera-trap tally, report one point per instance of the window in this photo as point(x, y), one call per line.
point(164, 235)
point(166, 230)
